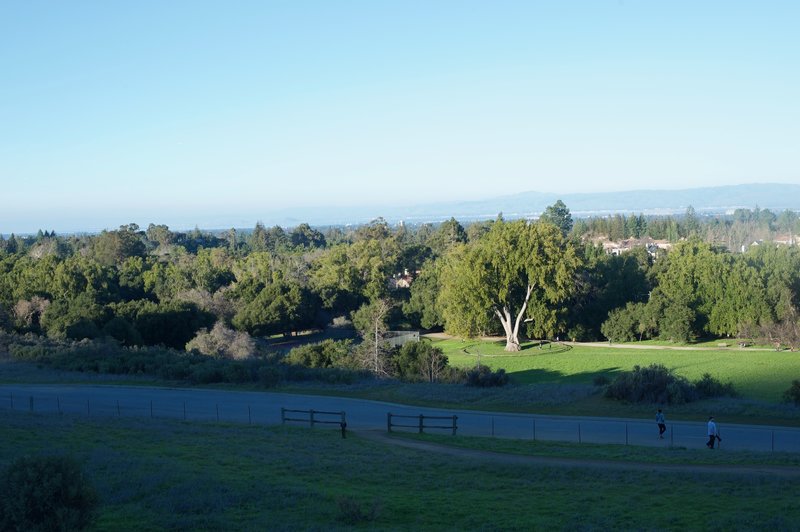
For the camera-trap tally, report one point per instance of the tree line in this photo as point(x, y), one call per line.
point(220, 293)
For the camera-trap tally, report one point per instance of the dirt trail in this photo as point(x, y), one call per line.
point(528, 460)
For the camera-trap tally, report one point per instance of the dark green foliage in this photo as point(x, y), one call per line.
point(659, 385)
point(792, 395)
point(172, 324)
point(653, 384)
point(420, 361)
point(169, 364)
point(708, 387)
point(279, 308)
point(46, 493)
point(483, 377)
point(324, 354)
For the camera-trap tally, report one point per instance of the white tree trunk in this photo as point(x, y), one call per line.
point(512, 332)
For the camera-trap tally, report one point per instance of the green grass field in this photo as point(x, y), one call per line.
point(161, 474)
point(759, 375)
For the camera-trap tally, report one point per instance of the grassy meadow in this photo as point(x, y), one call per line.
point(761, 375)
point(163, 474)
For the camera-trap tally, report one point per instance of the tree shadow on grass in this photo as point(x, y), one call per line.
point(533, 376)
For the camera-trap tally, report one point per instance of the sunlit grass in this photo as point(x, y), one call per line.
point(759, 375)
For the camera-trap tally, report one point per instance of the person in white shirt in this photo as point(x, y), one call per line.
point(662, 423)
point(713, 434)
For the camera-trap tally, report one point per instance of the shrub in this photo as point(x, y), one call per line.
point(420, 361)
point(46, 493)
point(653, 384)
point(322, 354)
point(483, 377)
point(792, 395)
point(708, 387)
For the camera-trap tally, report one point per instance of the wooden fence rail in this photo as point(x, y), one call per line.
point(420, 424)
point(313, 417)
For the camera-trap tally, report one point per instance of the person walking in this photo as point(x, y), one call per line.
point(713, 433)
point(662, 423)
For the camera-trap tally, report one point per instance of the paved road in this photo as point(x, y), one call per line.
point(265, 408)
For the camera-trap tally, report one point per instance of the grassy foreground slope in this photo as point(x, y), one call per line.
point(160, 474)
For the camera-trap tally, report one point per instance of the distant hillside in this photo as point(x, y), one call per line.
point(711, 200)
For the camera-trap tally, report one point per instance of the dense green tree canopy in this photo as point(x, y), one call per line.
point(498, 276)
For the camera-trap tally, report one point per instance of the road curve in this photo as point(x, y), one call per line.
point(265, 408)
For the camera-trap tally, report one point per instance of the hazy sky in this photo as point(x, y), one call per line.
point(193, 112)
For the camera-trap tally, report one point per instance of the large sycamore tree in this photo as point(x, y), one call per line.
point(513, 269)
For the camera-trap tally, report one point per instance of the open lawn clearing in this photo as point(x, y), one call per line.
point(759, 375)
point(173, 475)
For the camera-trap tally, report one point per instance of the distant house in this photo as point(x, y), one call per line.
point(652, 246)
point(401, 280)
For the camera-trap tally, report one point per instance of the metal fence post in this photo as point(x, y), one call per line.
point(311, 420)
point(420, 423)
point(455, 426)
point(388, 422)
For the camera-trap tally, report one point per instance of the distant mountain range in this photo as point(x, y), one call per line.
point(706, 200)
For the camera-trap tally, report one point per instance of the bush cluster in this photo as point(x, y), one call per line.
point(46, 493)
point(658, 384)
point(483, 377)
point(170, 364)
point(792, 395)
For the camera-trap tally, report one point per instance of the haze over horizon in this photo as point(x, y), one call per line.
point(215, 114)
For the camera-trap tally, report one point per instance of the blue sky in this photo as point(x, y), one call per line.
point(217, 113)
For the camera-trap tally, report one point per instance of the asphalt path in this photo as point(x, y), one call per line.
point(265, 408)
